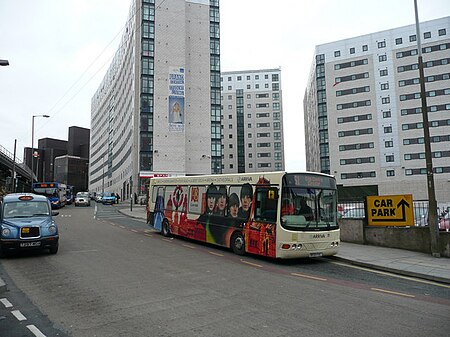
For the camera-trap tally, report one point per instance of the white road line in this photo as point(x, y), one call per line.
point(18, 315)
point(217, 254)
point(6, 303)
point(188, 246)
point(392, 292)
point(35, 331)
point(392, 275)
point(251, 264)
point(310, 277)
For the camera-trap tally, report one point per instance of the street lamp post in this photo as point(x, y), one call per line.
point(32, 144)
point(432, 204)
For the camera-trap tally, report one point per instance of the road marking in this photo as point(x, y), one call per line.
point(310, 277)
point(148, 231)
point(6, 303)
point(35, 331)
point(167, 240)
point(122, 227)
point(188, 246)
point(18, 315)
point(392, 292)
point(135, 231)
point(217, 254)
point(150, 236)
point(251, 264)
point(393, 275)
point(84, 251)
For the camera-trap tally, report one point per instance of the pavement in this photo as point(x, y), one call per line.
point(397, 261)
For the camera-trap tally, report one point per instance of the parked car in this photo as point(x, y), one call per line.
point(27, 223)
point(82, 199)
point(98, 197)
point(108, 198)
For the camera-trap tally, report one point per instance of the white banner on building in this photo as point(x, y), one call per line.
point(176, 99)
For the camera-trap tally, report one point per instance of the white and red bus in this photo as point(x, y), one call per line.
point(274, 214)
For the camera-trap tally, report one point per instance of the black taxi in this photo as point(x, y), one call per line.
point(27, 223)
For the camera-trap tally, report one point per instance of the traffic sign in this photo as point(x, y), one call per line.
point(390, 210)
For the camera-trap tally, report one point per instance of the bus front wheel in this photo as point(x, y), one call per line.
point(165, 228)
point(238, 243)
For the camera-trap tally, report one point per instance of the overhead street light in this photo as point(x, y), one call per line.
point(32, 144)
point(4, 63)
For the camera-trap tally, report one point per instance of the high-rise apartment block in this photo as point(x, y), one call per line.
point(252, 118)
point(363, 117)
point(157, 111)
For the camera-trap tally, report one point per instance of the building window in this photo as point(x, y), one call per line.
point(442, 32)
point(382, 58)
point(229, 78)
point(382, 44)
point(412, 38)
point(389, 158)
point(384, 86)
point(398, 41)
point(266, 76)
point(352, 50)
point(248, 77)
point(249, 86)
point(337, 53)
point(230, 87)
point(256, 77)
point(365, 47)
point(385, 100)
point(390, 173)
point(249, 96)
point(250, 165)
point(383, 72)
point(266, 85)
point(275, 86)
point(256, 86)
point(387, 114)
point(389, 143)
point(427, 35)
point(275, 78)
point(388, 129)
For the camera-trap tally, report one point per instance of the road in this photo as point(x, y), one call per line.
point(113, 276)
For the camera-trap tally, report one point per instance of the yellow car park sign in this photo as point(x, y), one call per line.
point(390, 210)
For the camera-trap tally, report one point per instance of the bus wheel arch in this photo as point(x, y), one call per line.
point(237, 243)
point(165, 228)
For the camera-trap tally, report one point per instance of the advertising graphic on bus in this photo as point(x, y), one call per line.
point(275, 214)
point(55, 192)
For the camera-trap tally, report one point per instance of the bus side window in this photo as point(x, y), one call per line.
point(266, 204)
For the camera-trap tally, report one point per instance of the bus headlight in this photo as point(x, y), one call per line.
point(52, 229)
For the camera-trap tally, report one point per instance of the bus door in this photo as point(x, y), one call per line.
point(261, 231)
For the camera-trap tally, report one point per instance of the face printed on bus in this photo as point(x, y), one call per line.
point(211, 203)
point(245, 202)
point(234, 210)
point(222, 203)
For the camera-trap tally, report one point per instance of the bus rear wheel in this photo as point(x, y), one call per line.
point(165, 228)
point(238, 243)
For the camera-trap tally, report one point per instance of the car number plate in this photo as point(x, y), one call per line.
point(318, 254)
point(30, 244)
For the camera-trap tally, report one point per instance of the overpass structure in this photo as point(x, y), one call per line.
point(11, 167)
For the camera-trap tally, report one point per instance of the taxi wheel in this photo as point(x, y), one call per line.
point(237, 243)
point(54, 250)
point(165, 228)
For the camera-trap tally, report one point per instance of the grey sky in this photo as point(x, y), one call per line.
point(59, 51)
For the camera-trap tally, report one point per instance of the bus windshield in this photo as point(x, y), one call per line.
point(48, 192)
point(308, 208)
